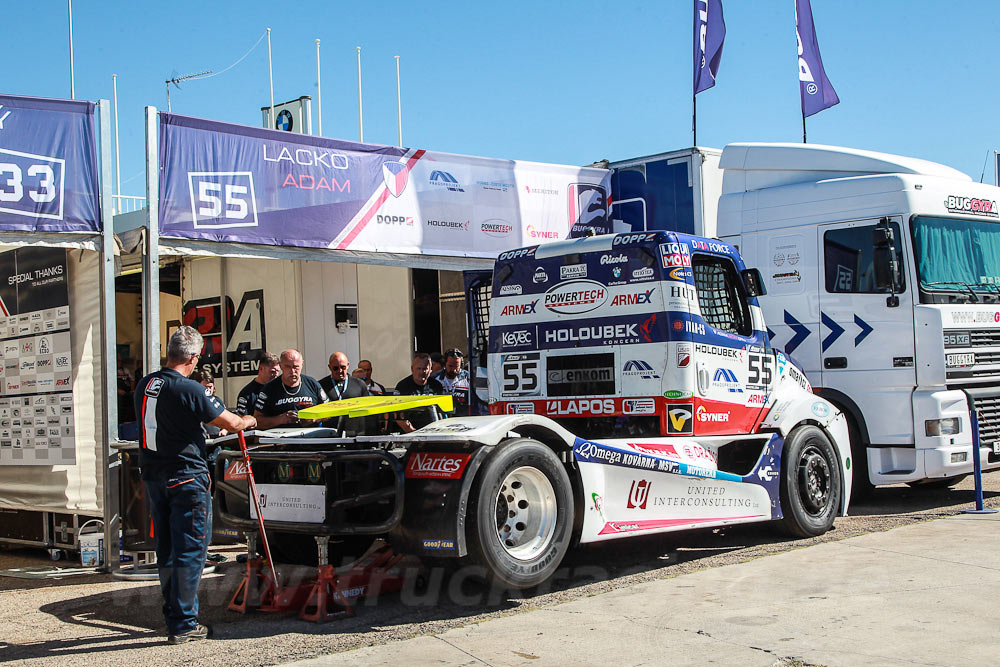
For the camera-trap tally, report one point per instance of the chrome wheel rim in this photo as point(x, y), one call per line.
point(526, 511)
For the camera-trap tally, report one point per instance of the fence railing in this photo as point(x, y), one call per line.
point(127, 203)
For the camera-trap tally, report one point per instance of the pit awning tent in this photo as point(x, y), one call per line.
point(224, 190)
point(57, 333)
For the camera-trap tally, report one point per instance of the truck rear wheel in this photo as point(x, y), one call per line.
point(521, 514)
point(810, 483)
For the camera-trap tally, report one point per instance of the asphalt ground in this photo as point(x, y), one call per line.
point(104, 621)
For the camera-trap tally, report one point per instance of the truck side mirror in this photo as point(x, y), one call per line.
point(885, 267)
point(753, 282)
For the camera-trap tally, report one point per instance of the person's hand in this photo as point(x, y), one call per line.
point(291, 417)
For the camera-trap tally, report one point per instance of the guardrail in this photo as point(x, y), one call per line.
point(127, 203)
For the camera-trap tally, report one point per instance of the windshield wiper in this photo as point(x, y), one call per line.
point(972, 292)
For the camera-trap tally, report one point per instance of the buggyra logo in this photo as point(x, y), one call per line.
point(971, 205)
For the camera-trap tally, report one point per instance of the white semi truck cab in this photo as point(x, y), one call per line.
point(883, 282)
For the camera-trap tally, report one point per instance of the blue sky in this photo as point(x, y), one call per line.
point(546, 81)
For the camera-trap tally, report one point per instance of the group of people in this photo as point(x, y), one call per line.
point(281, 388)
point(176, 409)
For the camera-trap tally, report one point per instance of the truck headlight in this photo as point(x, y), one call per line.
point(947, 426)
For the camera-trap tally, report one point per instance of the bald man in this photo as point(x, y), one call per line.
point(338, 385)
point(280, 400)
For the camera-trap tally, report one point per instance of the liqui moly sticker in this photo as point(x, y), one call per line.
point(434, 465)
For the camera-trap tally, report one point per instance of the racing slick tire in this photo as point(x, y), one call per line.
point(937, 482)
point(520, 514)
point(811, 484)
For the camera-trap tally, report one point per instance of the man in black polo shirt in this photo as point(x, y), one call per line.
point(267, 370)
point(281, 399)
point(171, 409)
point(418, 383)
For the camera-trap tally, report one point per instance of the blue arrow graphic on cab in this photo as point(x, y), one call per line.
point(835, 330)
point(801, 333)
point(865, 330)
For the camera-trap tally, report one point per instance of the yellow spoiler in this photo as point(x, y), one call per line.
point(364, 406)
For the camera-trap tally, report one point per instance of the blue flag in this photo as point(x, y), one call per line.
point(709, 34)
point(815, 89)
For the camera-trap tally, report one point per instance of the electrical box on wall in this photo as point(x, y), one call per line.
point(345, 316)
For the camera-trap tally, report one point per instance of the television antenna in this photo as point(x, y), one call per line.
point(177, 81)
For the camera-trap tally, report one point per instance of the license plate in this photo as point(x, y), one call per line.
point(960, 359)
point(996, 448)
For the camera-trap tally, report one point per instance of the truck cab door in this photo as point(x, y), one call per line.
point(735, 370)
point(866, 332)
point(478, 288)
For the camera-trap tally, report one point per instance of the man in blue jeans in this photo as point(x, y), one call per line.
point(170, 408)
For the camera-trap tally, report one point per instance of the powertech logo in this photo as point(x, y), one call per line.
point(496, 228)
point(428, 465)
point(971, 205)
point(574, 297)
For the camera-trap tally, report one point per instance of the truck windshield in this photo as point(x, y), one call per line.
point(958, 255)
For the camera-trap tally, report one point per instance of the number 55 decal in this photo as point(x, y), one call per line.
point(221, 199)
point(760, 369)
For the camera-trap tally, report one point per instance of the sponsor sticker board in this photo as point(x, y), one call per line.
point(36, 385)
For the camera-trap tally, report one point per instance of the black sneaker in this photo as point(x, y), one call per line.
point(197, 632)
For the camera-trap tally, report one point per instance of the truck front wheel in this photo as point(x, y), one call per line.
point(521, 514)
point(810, 483)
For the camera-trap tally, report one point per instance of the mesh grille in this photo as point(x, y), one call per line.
point(480, 295)
point(714, 297)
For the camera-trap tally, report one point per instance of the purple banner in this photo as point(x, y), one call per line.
point(48, 165)
point(224, 182)
point(815, 89)
point(709, 34)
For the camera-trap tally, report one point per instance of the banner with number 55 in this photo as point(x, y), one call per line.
point(48, 165)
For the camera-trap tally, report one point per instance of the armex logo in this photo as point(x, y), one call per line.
point(519, 309)
point(445, 180)
point(636, 299)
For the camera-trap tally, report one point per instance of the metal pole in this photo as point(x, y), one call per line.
point(803, 127)
point(109, 414)
point(977, 467)
point(118, 163)
point(151, 258)
point(72, 81)
point(996, 169)
point(270, 77)
point(361, 124)
point(399, 106)
point(168, 97)
point(319, 93)
point(224, 322)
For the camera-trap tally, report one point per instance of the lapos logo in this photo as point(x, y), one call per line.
point(427, 465)
point(638, 495)
point(236, 470)
point(577, 296)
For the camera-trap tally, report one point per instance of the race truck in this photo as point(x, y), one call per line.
point(632, 391)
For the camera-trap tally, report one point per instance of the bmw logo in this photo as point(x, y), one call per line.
point(616, 272)
point(284, 121)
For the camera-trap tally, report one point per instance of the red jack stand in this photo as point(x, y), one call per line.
point(257, 588)
point(371, 574)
